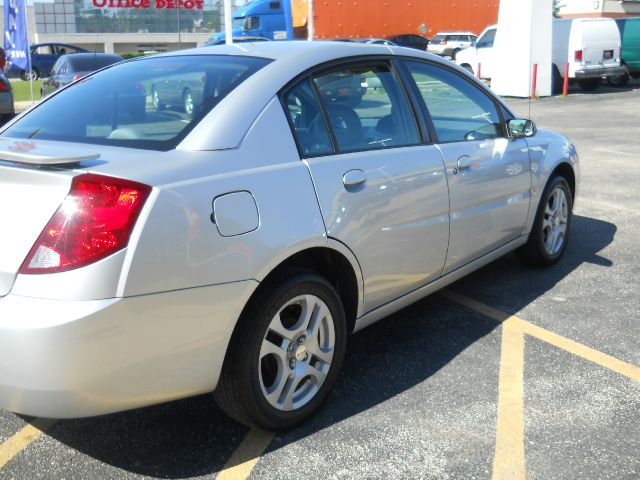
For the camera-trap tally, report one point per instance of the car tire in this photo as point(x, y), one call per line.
point(187, 103)
point(589, 84)
point(26, 76)
point(281, 363)
point(158, 105)
point(558, 80)
point(618, 80)
point(551, 228)
point(468, 68)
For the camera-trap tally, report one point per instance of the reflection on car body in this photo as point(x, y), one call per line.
point(233, 247)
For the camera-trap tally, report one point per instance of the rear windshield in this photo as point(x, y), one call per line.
point(89, 63)
point(150, 103)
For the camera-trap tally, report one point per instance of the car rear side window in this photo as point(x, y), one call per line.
point(367, 108)
point(307, 120)
point(459, 110)
point(151, 103)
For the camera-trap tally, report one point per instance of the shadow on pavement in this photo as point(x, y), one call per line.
point(190, 438)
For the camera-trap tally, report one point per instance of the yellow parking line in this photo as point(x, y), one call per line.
point(243, 460)
point(583, 351)
point(21, 440)
point(509, 459)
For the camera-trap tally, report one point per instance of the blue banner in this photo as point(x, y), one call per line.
point(16, 42)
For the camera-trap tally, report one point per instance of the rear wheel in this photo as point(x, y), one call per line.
point(286, 353)
point(558, 80)
point(468, 68)
point(589, 84)
point(618, 80)
point(33, 75)
point(550, 232)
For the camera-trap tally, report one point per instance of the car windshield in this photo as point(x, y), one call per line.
point(149, 103)
point(438, 38)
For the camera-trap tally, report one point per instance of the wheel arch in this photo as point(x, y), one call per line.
point(337, 264)
point(565, 170)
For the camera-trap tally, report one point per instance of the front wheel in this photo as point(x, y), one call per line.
point(550, 232)
point(286, 354)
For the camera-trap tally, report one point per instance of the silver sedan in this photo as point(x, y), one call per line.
point(231, 248)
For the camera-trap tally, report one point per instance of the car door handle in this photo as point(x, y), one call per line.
point(464, 162)
point(354, 177)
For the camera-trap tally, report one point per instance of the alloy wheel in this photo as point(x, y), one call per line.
point(554, 223)
point(296, 353)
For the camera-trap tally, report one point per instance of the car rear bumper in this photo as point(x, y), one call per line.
point(66, 359)
point(599, 72)
point(6, 103)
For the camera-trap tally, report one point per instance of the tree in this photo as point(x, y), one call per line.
point(556, 8)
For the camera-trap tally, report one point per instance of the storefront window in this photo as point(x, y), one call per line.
point(127, 16)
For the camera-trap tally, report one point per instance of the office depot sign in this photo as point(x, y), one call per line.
point(162, 4)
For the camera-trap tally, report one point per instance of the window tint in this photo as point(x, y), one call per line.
point(55, 70)
point(459, 110)
point(438, 39)
point(89, 63)
point(367, 108)
point(487, 39)
point(42, 50)
point(137, 104)
point(308, 123)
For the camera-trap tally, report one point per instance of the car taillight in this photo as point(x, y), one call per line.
point(94, 220)
point(76, 78)
point(578, 55)
point(3, 87)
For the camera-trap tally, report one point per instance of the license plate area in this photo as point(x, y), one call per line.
point(607, 55)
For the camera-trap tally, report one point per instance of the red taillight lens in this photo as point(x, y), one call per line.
point(3, 87)
point(76, 78)
point(94, 221)
point(578, 55)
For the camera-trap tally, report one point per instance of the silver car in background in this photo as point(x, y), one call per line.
point(146, 259)
point(448, 44)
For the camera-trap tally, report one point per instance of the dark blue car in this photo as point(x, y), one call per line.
point(43, 56)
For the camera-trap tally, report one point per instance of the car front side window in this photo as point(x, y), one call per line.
point(459, 110)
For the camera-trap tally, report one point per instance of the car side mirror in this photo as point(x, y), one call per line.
point(521, 128)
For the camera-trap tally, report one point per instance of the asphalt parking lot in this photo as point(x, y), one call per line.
point(513, 372)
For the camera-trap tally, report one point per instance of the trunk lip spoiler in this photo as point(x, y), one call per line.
point(26, 151)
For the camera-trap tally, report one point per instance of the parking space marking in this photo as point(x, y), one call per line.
point(615, 152)
point(246, 456)
point(23, 438)
point(509, 460)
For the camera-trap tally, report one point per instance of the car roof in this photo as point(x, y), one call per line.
point(56, 44)
point(456, 33)
point(227, 124)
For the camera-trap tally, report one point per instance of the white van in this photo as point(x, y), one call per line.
point(591, 47)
